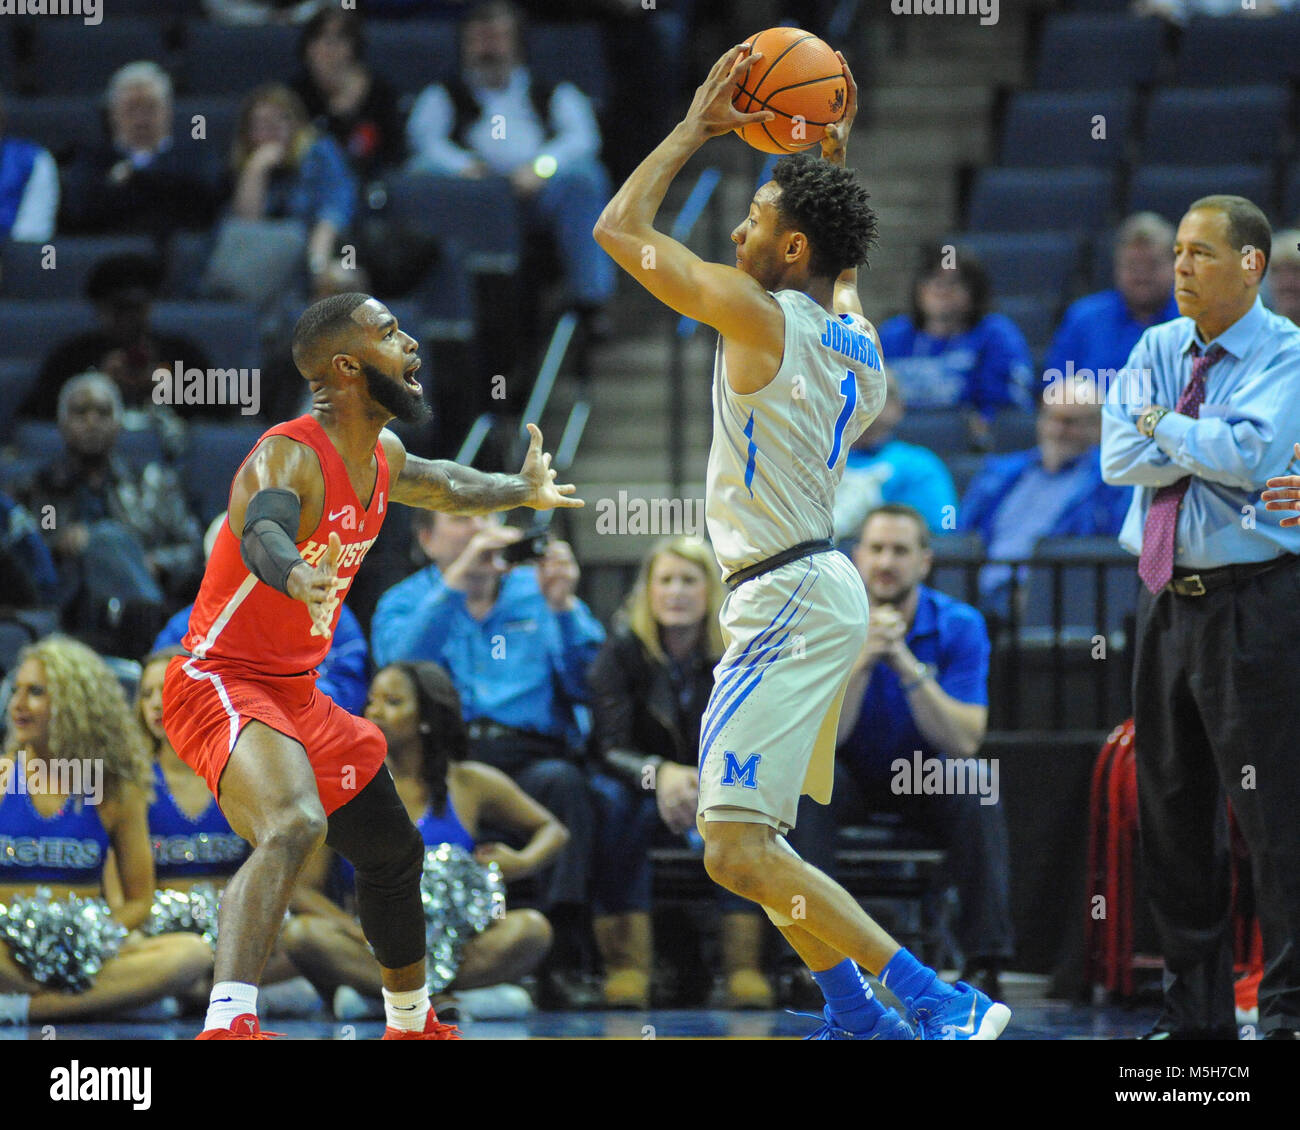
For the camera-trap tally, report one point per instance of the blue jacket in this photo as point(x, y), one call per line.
point(1095, 509)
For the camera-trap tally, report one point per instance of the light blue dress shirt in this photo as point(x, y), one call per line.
point(1242, 438)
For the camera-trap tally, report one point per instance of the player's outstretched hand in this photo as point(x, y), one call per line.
point(318, 587)
point(836, 141)
point(1284, 494)
point(547, 493)
point(711, 111)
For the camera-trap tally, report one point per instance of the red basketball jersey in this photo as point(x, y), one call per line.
point(239, 619)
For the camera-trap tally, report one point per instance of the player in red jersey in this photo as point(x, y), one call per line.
point(289, 768)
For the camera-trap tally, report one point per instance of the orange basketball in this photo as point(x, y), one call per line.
point(800, 80)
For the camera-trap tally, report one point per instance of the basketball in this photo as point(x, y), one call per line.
point(800, 80)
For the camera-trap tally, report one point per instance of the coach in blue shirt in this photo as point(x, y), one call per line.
point(1210, 412)
point(1100, 330)
point(917, 697)
point(517, 643)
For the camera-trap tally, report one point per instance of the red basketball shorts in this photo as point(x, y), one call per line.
point(206, 705)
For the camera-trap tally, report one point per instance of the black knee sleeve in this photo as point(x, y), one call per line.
point(375, 835)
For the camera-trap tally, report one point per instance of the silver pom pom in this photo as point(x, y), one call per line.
point(461, 898)
point(185, 912)
point(61, 944)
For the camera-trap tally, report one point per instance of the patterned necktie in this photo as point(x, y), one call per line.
point(1156, 565)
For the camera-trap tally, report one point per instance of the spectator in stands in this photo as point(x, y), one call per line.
point(125, 541)
point(649, 687)
point(919, 693)
point(1283, 279)
point(549, 150)
point(67, 709)
point(125, 346)
point(517, 643)
point(344, 97)
point(343, 675)
point(29, 187)
point(881, 468)
point(285, 170)
point(950, 352)
point(1052, 489)
point(1180, 11)
point(1100, 330)
point(27, 573)
point(450, 798)
point(141, 180)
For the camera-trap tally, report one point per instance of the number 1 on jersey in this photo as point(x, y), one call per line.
point(848, 390)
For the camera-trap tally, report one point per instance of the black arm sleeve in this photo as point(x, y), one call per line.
point(267, 547)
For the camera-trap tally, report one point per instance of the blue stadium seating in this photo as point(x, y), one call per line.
point(1018, 200)
point(1014, 429)
point(1099, 52)
point(1035, 315)
point(1290, 214)
point(570, 52)
point(942, 430)
point(1045, 127)
point(1037, 263)
point(187, 259)
point(214, 454)
point(234, 60)
point(1079, 590)
point(17, 375)
point(70, 58)
point(1169, 190)
point(963, 468)
point(480, 217)
point(951, 572)
point(227, 331)
point(1239, 52)
point(1193, 126)
point(221, 119)
point(32, 329)
point(24, 275)
point(413, 53)
point(61, 124)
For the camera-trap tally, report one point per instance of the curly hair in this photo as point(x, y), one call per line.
point(829, 206)
point(89, 715)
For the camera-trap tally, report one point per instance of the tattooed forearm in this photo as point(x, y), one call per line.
point(440, 484)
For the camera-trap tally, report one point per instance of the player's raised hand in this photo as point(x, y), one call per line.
point(317, 587)
point(547, 493)
point(711, 111)
point(836, 140)
point(1284, 494)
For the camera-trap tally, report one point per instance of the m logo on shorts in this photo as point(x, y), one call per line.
point(733, 773)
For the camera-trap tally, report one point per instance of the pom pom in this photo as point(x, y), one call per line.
point(461, 898)
point(185, 912)
point(61, 944)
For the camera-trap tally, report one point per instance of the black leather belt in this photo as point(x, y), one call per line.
point(794, 553)
point(1189, 583)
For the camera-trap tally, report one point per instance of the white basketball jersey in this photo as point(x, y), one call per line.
point(778, 454)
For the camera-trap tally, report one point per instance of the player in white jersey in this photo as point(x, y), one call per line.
point(798, 377)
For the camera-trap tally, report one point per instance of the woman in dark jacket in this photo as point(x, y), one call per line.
point(650, 685)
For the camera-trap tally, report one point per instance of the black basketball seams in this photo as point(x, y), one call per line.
point(789, 47)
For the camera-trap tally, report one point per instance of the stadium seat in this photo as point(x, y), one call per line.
point(37, 441)
point(1099, 52)
point(957, 558)
point(1040, 263)
point(1019, 200)
point(69, 58)
point(1238, 52)
point(61, 124)
point(1035, 317)
point(1192, 126)
point(1080, 595)
point(234, 60)
point(1053, 128)
point(17, 375)
point(570, 52)
point(227, 331)
point(1291, 196)
point(413, 53)
point(942, 430)
point(24, 274)
point(479, 217)
point(963, 469)
point(221, 119)
point(187, 259)
point(1168, 190)
point(32, 328)
point(214, 454)
point(1014, 429)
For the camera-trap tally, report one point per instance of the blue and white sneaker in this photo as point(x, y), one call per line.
point(964, 1014)
point(890, 1026)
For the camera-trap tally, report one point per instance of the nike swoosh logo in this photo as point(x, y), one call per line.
point(340, 513)
point(968, 1029)
point(405, 1007)
point(223, 1000)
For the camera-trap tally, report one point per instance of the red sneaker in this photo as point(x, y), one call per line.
point(244, 1027)
point(434, 1029)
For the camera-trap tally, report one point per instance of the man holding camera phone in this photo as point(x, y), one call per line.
point(497, 607)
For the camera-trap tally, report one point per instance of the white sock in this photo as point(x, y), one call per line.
point(228, 1000)
point(407, 1011)
point(13, 1008)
